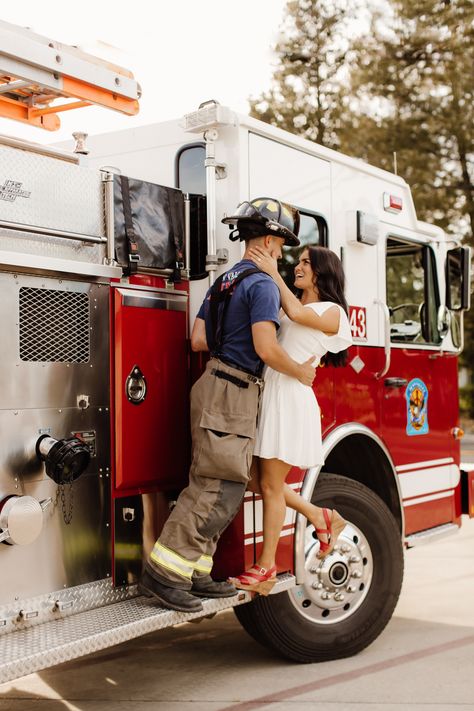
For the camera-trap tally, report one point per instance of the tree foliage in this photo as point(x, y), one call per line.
point(413, 91)
point(307, 94)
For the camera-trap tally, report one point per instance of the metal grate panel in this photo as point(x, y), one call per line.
point(54, 326)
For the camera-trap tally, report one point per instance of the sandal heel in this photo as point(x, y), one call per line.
point(256, 579)
point(265, 588)
point(338, 525)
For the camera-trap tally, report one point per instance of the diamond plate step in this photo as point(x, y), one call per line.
point(44, 645)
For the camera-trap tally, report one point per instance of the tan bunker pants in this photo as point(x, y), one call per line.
point(224, 407)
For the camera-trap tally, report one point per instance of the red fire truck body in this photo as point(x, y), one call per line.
point(104, 261)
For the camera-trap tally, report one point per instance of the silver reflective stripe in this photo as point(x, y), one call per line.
point(172, 561)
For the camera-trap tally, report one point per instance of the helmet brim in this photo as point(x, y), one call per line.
point(274, 229)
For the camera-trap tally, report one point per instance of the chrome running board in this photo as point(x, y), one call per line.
point(418, 539)
point(32, 646)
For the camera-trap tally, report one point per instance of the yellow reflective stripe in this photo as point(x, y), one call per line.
point(204, 564)
point(171, 560)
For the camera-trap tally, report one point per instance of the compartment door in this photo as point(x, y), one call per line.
point(151, 390)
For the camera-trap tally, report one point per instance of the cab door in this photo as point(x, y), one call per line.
point(419, 390)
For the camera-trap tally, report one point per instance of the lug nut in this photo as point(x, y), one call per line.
point(354, 559)
point(326, 596)
point(339, 597)
point(350, 589)
point(356, 574)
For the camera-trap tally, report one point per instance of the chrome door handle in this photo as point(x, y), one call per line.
point(395, 382)
point(387, 346)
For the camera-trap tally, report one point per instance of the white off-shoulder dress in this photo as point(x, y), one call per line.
point(289, 422)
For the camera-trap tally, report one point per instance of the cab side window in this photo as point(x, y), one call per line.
point(191, 179)
point(313, 231)
point(412, 293)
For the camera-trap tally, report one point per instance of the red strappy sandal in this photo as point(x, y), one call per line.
point(256, 579)
point(335, 525)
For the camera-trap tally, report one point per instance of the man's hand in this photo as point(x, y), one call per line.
point(307, 372)
point(273, 355)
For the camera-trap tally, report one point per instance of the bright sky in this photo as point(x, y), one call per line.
point(182, 52)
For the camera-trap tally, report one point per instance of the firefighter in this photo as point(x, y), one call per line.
point(238, 323)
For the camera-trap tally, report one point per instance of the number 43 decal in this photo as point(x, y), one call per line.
point(358, 321)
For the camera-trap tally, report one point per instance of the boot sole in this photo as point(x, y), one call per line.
point(171, 606)
point(213, 595)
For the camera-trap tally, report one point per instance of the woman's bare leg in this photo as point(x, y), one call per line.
point(273, 473)
point(313, 513)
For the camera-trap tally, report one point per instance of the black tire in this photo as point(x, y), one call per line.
point(280, 624)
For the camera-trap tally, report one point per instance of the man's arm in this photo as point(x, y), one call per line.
point(269, 350)
point(198, 336)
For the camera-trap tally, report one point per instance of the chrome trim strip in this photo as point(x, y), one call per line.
point(51, 232)
point(38, 148)
point(311, 477)
point(167, 302)
point(36, 263)
point(125, 286)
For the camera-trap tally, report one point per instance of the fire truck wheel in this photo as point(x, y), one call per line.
point(345, 600)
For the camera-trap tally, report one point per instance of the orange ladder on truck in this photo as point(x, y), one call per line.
point(40, 78)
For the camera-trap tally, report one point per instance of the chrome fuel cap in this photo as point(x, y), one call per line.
point(21, 518)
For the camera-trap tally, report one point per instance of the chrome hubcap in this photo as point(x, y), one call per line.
point(334, 587)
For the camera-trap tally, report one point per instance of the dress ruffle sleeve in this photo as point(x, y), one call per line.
point(337, 341)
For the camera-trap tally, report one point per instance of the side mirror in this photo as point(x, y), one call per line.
point(458, 267)
point(444, 320)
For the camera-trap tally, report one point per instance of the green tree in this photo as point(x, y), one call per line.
point(413, 91)
point(307, 93)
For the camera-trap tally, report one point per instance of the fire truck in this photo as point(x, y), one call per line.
point(107, 249)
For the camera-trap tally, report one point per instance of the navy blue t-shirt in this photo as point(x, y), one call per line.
point(256, 298)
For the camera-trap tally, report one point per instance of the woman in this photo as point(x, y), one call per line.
point(289, 427)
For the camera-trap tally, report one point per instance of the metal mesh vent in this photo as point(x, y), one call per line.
point(54, 326)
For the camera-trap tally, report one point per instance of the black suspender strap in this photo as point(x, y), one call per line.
point(133, 256)
point(219, 301)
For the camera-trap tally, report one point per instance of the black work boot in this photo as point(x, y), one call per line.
point(173, 598)
point(207, 587)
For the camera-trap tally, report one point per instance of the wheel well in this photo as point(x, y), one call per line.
point(360, 458)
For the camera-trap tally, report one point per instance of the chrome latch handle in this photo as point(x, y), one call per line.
point(387, 345)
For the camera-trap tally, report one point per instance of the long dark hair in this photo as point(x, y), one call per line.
point(329, 279)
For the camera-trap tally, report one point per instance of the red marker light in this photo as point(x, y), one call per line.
point(392, 203)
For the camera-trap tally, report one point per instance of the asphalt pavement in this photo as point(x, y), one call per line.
point(424, 659)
